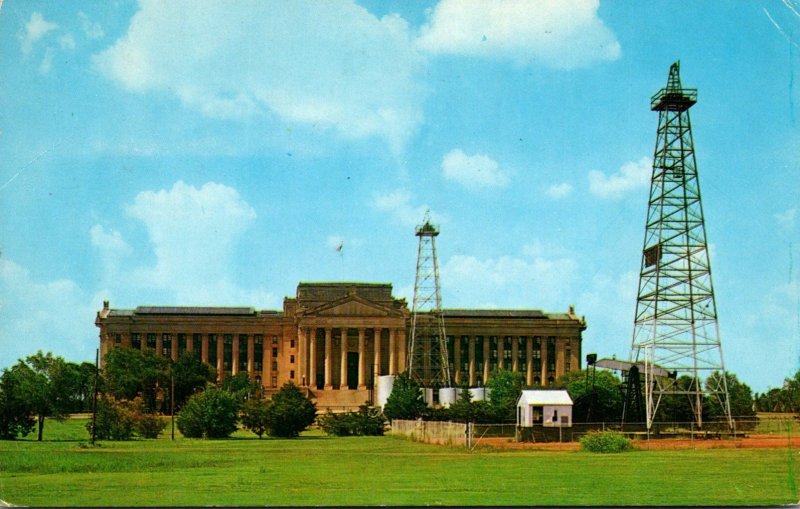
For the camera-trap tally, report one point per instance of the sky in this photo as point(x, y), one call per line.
point(207, 153)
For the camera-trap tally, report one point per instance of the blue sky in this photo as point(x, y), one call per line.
point(193, 153)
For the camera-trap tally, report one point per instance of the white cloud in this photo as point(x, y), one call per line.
point(92, 29)
point(54, 316)
point(559, 191)
point(35, 29)
point(473, 172)
point(631, 176)
point(508, 282)
point(786, 219)
point(47, 61)
point(112, 248)
point(398, 204)
point(558, 33)
point(330, 65)
point(66, 42)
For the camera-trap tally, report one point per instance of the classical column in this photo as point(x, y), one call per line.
point(457, 359)
point(343, 369)
point(515, 353)
point(328, 360)
point(204, 348)
point(266, 366)
point(189, 342)
point(529, 361)
point(559, 357)
point(159, 344)
point(235, 356)
point(221, 356)
point(471, 361)
point(362, 357)
point(143, 342)
point(378, 343)
point(501, 352)
point(402, 358)
point(174, 348)
point(312, 357)
point(487, 340)
point(543, 342)
point(392, 351)
point(251, 351)
point(301, 357)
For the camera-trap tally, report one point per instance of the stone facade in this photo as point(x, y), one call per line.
point(335, 339)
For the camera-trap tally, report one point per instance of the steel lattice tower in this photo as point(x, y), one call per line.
point(676, 316)
point(427, 359)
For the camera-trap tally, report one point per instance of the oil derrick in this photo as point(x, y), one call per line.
point(427, 360)
point(675, 328)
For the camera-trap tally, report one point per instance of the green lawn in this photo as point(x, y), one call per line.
point(317, 470)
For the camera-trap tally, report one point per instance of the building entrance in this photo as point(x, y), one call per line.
point(352, 370)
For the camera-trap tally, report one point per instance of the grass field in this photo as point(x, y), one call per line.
point(317, 470)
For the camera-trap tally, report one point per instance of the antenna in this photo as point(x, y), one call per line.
point(675, 328)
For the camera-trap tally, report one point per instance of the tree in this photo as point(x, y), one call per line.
point(740, 398)
point(255, 415)
point(191, 375)
point(596, 397)
point(677, 407)
point(367, 421)
point(212, 413)
point(505, 388)
point(240, 386)
point(129, 373)
point(290, 412)
point(405, 401)
point(47, 384)
point(15, 410)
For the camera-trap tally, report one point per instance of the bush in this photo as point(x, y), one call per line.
point(405, 401)
point(605, 442)
point(211, 414)
point(114, 420)
point(255, 415)
point(290, 412)
point(366, 422)
point(149, 425)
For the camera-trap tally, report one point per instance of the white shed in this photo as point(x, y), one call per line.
point(551, 409)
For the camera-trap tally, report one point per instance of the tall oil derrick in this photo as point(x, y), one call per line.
point(427, 358)
point(675, 327)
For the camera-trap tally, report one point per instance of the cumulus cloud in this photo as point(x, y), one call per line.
point(631, 176)
point(473, 172)
point(35, 29)
point(195, 232)
point(398, 204)
point(558, 33)
point(327, 65)
point(508, 281)
point(50, 316)
point(90, 28)
point(559, 191)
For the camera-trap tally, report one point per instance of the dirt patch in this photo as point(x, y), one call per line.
point(750, 442)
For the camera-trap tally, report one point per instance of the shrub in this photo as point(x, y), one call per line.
point(366, 422)
point(149, 425)
point(290, 412)
point(210, 414)
point(605, 442)
point(255, 415)
point(114, 420)
point(405, 401)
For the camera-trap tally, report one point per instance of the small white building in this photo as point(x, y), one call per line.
point(550, 409)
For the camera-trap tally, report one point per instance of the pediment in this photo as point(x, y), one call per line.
point(350, 306)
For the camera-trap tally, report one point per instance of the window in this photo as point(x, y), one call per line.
point(227, 352)
point(274, 365)
point(136, 340)
point(551, 353)
point(567, 359)
point(274, 381)
point(212, 349)
point(118, 338)
point(166, 345)
point(181, 343)
point(291, 343)
point(244, 351)
point(522, 355)
point(258, 352)
point(258, 339)
point(274, 340)
point(291, 374)
point(197, 342)
point(275, 351)
point(449, 340)
point(151, 341)
point(479, 352)
point(291, 359)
